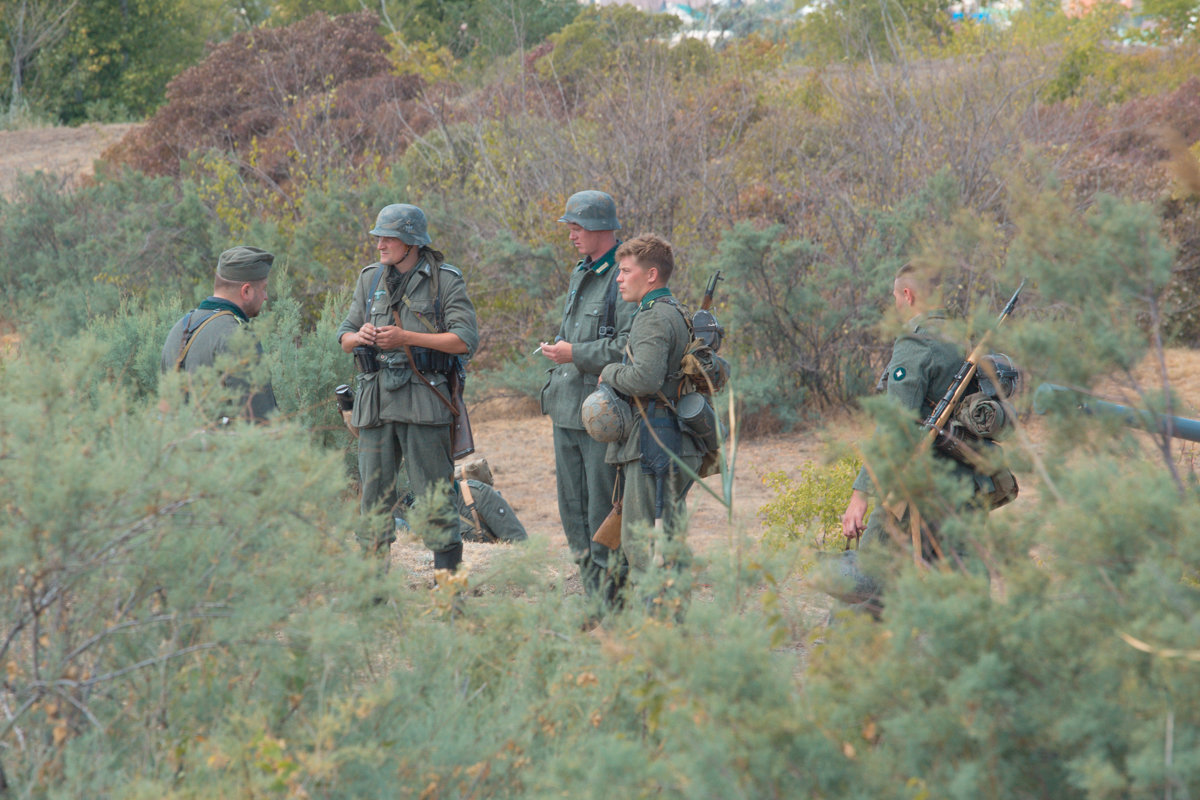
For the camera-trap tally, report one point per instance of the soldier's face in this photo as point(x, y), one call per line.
point(391, 250)
point(587, 242)
point(633, 280)
point(254, 295)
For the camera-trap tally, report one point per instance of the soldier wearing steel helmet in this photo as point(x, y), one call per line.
point(201, 335)
point(400, 419)
point(594, 329)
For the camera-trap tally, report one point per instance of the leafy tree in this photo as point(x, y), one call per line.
point(867, 30)
point(29, 27)
point(118, 55)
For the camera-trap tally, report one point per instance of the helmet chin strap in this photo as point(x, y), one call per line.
point(403, 258)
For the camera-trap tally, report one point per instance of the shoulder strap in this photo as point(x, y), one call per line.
point(608, 329)
point(439, 321)
point(189, 335)
point(371, 293)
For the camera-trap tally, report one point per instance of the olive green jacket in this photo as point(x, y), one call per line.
point(922, 367)
point(403, 396)
point(658, 339)
point(207, 343)
point(584, 313)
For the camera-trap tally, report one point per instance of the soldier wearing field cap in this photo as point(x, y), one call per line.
point(410, 314)
point(239, 292)
point(595, 326)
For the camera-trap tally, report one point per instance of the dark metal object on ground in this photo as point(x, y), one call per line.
point(1044, 400)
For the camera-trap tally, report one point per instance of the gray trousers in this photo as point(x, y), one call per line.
point(640, 540)
point(425, 451)
point(585, 494)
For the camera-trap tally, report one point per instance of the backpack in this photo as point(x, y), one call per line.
point(485, 515)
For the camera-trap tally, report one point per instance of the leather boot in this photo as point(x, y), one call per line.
point(448, 559)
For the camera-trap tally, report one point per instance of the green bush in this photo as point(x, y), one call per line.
point(810, 507)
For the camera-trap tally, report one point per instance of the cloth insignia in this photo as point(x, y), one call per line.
point(898, 374)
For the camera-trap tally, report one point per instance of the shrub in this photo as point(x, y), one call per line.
point(810, 507)
point(300, 93)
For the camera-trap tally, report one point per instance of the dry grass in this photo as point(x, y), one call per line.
point(66, 152)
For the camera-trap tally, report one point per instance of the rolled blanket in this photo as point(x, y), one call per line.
point(981, 416)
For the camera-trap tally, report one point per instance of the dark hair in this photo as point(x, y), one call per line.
point(650, 251)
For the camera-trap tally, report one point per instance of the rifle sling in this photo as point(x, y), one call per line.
point(413, 364)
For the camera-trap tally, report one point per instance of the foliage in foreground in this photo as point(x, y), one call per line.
point(185, 614)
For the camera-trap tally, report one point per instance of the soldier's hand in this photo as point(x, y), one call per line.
point(559, 352)
point(389, 337)
point(853, 521)
point(367, 334)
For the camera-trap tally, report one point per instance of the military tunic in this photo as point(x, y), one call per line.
point(220, 319)
point(658, 339)
point(400, 420)
point(584, 479)
point(921, 369)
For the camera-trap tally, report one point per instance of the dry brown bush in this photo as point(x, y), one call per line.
point(317, 90)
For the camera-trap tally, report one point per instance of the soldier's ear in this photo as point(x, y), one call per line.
point(652, 275)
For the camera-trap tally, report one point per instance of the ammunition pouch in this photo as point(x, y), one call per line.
point(428, 360)
point(366, 358)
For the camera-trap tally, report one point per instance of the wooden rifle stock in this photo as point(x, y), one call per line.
point(939, 418)
point(710, 290)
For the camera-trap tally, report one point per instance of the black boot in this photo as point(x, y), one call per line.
point(448, 559)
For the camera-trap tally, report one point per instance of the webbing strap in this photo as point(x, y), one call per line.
point(480, 530)
point(189, 336)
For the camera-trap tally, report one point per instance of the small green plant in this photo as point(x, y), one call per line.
point(811, 506)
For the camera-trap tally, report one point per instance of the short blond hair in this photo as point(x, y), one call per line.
point(650, 250)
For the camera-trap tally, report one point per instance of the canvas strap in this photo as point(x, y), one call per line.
point(189, 336)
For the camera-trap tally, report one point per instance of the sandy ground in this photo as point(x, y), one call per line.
point(66, 152)
point(518, 446)
point(520, 452)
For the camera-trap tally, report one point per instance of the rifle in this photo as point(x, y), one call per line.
point(704, 324)
point(938, 420)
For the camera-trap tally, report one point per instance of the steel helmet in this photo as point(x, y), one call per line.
point(592, 211)
point(606, 416)
point(404, 222)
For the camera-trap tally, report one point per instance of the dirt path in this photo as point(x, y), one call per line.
point(66, 152)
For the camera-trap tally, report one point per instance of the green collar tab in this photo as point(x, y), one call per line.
point(651, 296)
point(220, 304)
point(602, 264)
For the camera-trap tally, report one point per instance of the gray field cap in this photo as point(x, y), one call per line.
point(244, 264)
point(592, 210)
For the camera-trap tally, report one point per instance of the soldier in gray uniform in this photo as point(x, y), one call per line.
point(921, 369)
point(593, 333)
point(239, 292)
point(654, 521)
point(401, 418)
